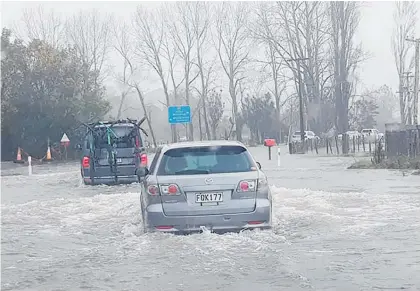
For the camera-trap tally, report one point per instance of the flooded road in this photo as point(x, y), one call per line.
point(334, 229)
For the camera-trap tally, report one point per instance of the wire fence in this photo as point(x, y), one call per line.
point(337, 145)
point(399, 140)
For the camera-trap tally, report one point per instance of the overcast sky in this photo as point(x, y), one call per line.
point(375, 31)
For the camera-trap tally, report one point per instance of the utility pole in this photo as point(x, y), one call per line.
point(302, 126)
point(416, 79)
point(408, 108)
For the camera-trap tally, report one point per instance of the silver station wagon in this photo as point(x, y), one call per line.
point(213, 185)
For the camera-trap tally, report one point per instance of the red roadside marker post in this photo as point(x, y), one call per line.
point(269, 142)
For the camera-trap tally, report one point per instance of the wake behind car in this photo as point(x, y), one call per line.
point(113, 153)
point(214, 185)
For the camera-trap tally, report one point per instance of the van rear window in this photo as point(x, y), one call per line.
point(123, 136)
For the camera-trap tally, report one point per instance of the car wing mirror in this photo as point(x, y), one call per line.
point(259, 165)
point(142, 172)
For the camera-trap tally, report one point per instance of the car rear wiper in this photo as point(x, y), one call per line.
point(192, 172)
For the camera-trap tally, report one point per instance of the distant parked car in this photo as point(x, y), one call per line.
point(351, 134)
point(371, 134)
point(309, 135)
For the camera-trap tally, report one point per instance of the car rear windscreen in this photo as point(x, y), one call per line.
point(206, 160)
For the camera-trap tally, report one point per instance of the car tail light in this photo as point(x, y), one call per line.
point(143, 159)
point(246, 186)
point(171, 189)
point(153, 190)
point(86, 162)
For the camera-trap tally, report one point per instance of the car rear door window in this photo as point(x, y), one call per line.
point(155, 159)
point(206, 160)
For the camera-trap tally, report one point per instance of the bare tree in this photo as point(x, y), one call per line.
point(181, 29)
point(233, 49)
point(90, 34)
point(41, 25)
point(274, 63)
point(201, 26)
point(215, 108)
point(405, 19)
point(124, 48)
point(150, 33)
point(172, 58)
point(297, 30)
point(344, 19)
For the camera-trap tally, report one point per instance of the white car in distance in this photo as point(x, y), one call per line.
point(371, 134)
point(309, 135)
point(351, 134)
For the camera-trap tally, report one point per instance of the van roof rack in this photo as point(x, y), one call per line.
point(137, 124)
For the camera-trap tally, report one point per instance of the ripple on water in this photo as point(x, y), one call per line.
point(320, 240)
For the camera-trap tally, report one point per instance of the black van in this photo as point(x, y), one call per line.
point(113, 153)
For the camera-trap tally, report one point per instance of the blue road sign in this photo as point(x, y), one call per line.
point(179, 114)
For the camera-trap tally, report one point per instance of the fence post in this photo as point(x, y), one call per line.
point(29, 165)
point(354, 144)
point(336, 145)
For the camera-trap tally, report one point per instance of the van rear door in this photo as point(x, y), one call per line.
point(119, 158)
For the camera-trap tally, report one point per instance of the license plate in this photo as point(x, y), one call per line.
point(119, 161)
point(208, 197)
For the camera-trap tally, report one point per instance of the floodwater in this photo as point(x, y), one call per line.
point(334, 229)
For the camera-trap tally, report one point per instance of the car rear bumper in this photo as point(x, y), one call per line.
point(157, 221)
point(111, 180)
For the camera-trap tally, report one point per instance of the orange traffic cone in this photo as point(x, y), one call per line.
point(48, 157)
point(19, 157)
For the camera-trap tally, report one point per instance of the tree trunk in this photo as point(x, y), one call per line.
point(204, 92)
point(402, 103)
point(146, 115)
point(168, 103)
point(213, 131)
point(238, 126)
point(206, 121)
point(123, 95)
point(199, 125)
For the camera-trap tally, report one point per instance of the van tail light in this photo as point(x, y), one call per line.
point(170, 189)
point(153, 190)
point(143, 159)
point(137, 142)
point(86, 162)
point(247, 186)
